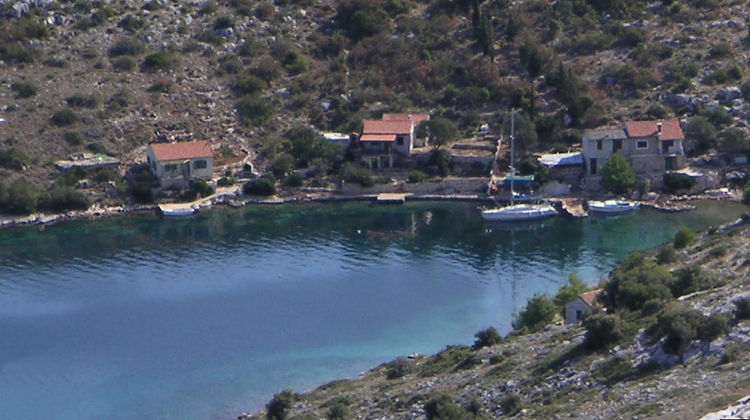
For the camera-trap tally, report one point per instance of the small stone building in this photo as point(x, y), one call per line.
point(176, 164)
point(584, 305)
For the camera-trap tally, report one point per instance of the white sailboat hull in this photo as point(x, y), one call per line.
point(612, 206)
point(519, 212)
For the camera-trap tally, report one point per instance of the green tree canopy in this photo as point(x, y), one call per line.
point(733, 141)
point(617, 174)
point(539, 311)
point(700, 134)
point(441, 131)
point(570, 291)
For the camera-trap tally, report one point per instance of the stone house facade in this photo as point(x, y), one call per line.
point(583, 306)
point(176, 164)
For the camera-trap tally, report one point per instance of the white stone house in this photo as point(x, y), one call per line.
point(652, 147)
point(392, 133)
point(176, 164)
point(583, 306)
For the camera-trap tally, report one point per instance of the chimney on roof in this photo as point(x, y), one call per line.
point(658, 127)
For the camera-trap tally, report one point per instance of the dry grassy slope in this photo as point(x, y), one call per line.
point(587, 385)
point(202, 103)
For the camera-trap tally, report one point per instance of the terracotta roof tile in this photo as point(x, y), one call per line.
point(387, 127)
point(414, 118)
point(182, 150)
point(670, 129)
point(593, 297)
point(377, 137)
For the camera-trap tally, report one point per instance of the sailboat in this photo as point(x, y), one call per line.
point(517, 212)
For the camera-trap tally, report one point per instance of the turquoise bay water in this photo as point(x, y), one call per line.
point(140, 317)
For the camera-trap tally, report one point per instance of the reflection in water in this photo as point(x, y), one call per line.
point(137, 317)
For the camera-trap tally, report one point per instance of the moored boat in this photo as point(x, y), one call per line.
point(519, 212)
point(612, 206)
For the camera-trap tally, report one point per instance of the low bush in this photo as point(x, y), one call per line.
point(674, 182)
point(666, 254)
point(126, 46)
point(162, 60)
point(602, 331)
point(486, 338)
point(226, 181)
point(339, 411)
point(540, 310)
point(415, 177)
point(276, 409)
point(62, 199)
point(357, 175)
point(254, 110)
point(683, 238)
point(442, 407)
point(569, 292)
point(398, 369)
point(511, 405)
point(742, 308)
point(24, 89)
point(260, 186)
point(83, 100)
point(636, 281)
point(293, 180)
point(14, 158)
point(692, 279)
point(680, 325)
point(20, 198)
point(714, 326)
point(64, 117)
point(202, 188)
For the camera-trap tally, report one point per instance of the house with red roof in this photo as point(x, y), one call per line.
point(584, 305)
point(392, 133)
point(176, 164)
point(652, 147)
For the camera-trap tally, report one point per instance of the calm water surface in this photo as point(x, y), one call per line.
point(140, 317)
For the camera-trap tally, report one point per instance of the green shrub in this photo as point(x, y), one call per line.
point(511, 405)
point(226, 181)
point(248, 83)
point(82, 100)
point(223, 22)
point(683, 238)
point(617, 174)
point(14, 158)
point(276, 409)
point(666, 254)
point(679, 325)
point(733, 141)
point(20, 198)
point(486, 338)
point(260, 186)
point(282, 164)
point(131, 23)
point(442, 407)
point(55, 62)
point(24, 89)
point(602, 331)
point(62, 199)
point(123, 63)
point(415, 177)
point(742, 308)
point(398, 369)
point(674, 182)
point(539, 311)
point(636, 281)
point(692, 279)
point(254, 110)
point(340, 411)
point(443, 161)
point(714, 326)
point(293, 180)
point(162, 85)
point(357, 175)
point(64, 117)
point(126, 46)
point(162, 60)
point(717, 116)
point(201, 187)
point(73, 138)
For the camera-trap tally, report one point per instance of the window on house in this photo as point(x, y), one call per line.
point(199, 164)
point(153, 165)
point(616, 145)
point(641, 144)
point(170, 168)
point(400, 141)
point(592, 166)
point(598, 145)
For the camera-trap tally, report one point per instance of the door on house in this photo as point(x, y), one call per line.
point(592, 166)
point(669, 163)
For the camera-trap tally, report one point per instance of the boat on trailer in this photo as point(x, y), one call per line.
point(612, 206)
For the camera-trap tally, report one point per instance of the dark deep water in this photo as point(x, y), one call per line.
point(141, 317)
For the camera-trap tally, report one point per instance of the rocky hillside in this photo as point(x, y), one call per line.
point(104, 76)
point(681, 355)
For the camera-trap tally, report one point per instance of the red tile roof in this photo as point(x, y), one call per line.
point(182, 150)
point(387, 127)
point(377, 137)
point(670, 129)
point(593, 298)
point(414, 118)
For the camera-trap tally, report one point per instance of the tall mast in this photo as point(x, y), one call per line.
point(512, 154)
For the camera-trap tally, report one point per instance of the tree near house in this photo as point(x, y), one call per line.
point(441, 131)
point(617, 174)
point(733, 141)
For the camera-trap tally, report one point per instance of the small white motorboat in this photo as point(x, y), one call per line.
point(177, 211)
point(612, 206)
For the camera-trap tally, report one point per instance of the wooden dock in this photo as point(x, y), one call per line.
point(391, 198)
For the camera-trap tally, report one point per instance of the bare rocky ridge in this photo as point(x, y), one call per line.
point(551, 378)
